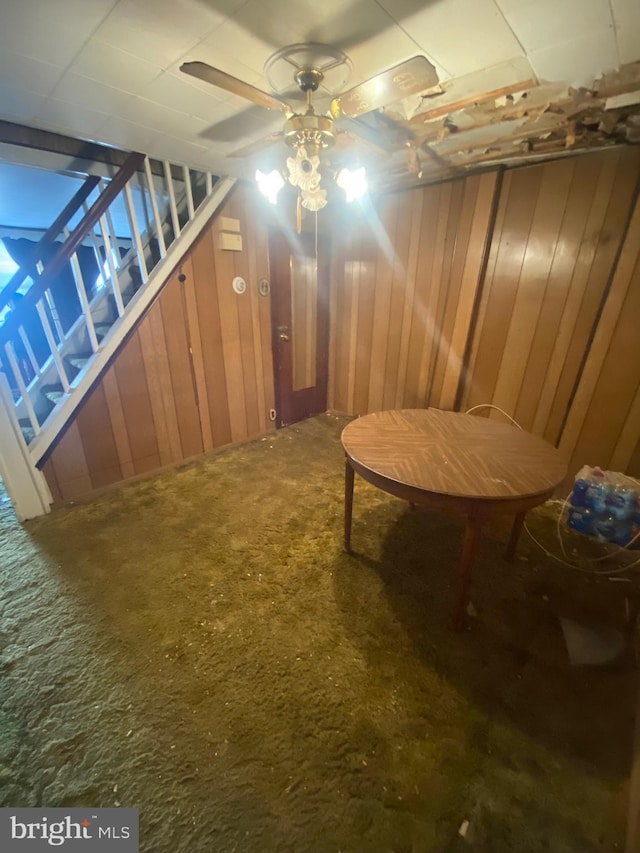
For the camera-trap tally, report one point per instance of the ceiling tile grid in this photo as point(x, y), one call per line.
point(109, 70)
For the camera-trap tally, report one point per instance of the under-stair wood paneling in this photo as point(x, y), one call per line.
point(603, 424)
point(559, 228)
point(195, 374)
point(405, 282)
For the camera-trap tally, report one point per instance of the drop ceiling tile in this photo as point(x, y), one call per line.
point(462, 36)
point(162, 118)
point(114, 67)
point(539, 24)
point(28, 73)
point(174, 90)
point(578, 62)
point(309, 20)
point(190, 18)
point(626, 16)
point(383, 50)
point(251, 35)
point(67, 117)
point(46, 42)
point(70, 14)
point(177, 151)
point(339, 24)
point(133, 27)
point(74, 88)
point(125, 134)
point(18, 104)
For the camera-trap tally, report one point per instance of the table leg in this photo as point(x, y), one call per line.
point(348, 503)
point(516, 530)
point(472, 533)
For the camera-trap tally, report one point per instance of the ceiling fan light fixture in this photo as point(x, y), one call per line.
point(353, 182)
point(304, 170)
point(270, 184)
point(313, 199)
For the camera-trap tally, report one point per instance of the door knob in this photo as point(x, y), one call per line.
point(283, 337)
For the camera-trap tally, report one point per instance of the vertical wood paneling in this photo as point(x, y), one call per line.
point(422, 315)
point(603, 235)
point(434, 337)
point(530, 287)
point(558, 230)
point(366, 282)
point(70, 465)
point(405, 308)
point(416, 202)
point(100, 451)
point(156, 367)
point(231, 344)
point(483, 189)
point(196, 373)
point(385, 229)
point(198, 363)
point(602, 425)
point(50, 475)
point(398, 294)
point(206, 292)
point(448, 286)
point(136, 406)
point(500, 291)
point(237, 207)
point(252, 236)
point(118, 423)
point(178, 349)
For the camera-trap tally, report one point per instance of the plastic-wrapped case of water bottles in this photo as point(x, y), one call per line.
point(605, 504)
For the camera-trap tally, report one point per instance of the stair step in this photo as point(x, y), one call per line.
point(78, 359)
point(101, 329)
point(53, 392)
point(27, 430)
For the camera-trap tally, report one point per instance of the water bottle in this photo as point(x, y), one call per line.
point(597, 493)
point(581, 520)
point(621, 502)
point(578, 495)
point(605, 527)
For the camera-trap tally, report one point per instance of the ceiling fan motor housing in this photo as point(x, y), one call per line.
point(310, 130)
point(308, 79)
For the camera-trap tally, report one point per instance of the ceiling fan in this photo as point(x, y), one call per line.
point(308, 132)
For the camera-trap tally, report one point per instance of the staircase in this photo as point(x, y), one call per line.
point(55, 343)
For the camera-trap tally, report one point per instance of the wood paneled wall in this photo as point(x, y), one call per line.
point(559, 229)
point(531, 305)
point(520, 289)
point(195, 374)
point(405, 280)
point(604, 419)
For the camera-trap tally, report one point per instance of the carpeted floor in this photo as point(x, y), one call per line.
point(198, 645)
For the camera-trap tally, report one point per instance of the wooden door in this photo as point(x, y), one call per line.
point(300, 324)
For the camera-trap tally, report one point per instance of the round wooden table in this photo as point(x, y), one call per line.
point(450, 461)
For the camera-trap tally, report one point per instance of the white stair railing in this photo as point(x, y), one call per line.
point(43, 354)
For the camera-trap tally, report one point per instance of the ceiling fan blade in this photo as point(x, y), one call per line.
point(258, 145)
point(225, 81)
point(407, 78)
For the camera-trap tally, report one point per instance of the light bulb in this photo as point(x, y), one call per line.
point(270, 184)
point(353, 183)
